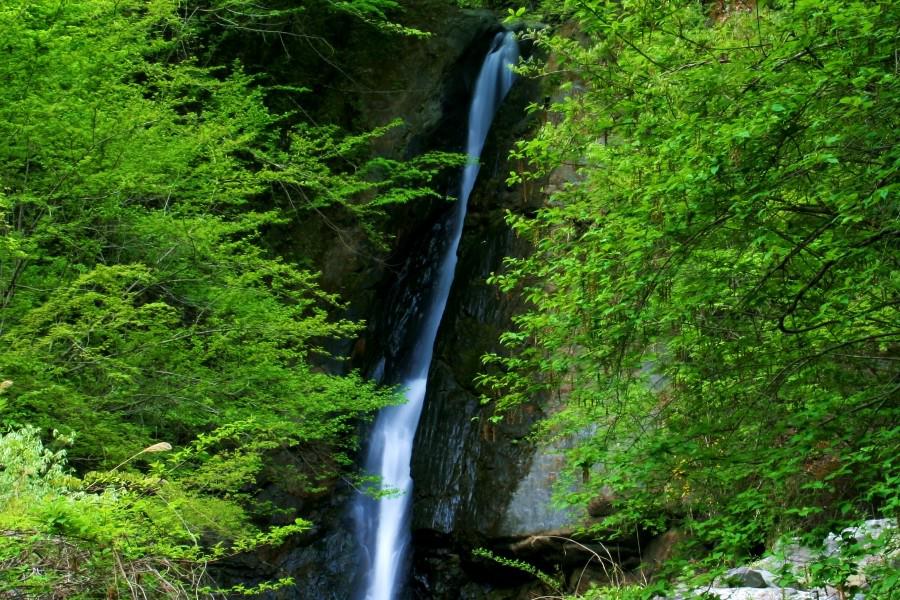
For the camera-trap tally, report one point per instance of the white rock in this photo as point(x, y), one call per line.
point(746, 593)
point(760, 579)
point(865, 535)
point(788, 556)
point(747, 577)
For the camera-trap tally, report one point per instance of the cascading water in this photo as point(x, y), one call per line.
point(384, 524)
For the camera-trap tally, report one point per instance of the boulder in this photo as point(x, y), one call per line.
point(749, 578)
point(863, 535)
point(788, 557)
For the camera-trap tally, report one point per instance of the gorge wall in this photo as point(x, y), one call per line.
point(477, 483)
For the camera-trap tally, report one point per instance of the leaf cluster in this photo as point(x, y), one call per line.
point(141, 305)
point(115, 534)
point(715, 286)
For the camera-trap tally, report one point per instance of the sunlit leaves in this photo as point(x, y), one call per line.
point(717, 270)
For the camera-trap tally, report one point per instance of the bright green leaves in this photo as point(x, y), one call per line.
point(137, 301)
point(140, 185)
point(205, 330)
point(286, 18)
point(134, 290)
point(124, 529)
point(716, 268)
point(322, 168)
point(375, 12)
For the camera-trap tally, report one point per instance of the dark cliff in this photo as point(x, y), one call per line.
point(477, 483)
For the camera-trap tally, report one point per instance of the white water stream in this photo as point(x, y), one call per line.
point(384, 525)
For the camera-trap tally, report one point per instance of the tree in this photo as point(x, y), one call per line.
point(137, 298)
point(117, 534)
point(139, 303)
point(716, 287)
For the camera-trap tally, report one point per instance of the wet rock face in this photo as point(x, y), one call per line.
point(428, 86)
point(321, 560)
point(469, 472)
point(464, 467)
point(476, 483)
point(326, 581)
point(530, 508)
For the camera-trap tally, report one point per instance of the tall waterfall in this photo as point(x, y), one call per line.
point(384, 524)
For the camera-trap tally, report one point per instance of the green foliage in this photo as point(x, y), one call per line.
point(716, 287)
point(278, 18)
point(140, 305)
point(555, 586)
point(630, 592)
point(495, 5)
point(304, 175)
point(136, 299)
point(29, 469)
point(113, 535)
point(520, 565)
point(859, 563)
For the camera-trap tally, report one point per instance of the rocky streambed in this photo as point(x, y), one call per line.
point(853, 560)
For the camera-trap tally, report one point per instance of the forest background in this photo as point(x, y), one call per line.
point(715, 290)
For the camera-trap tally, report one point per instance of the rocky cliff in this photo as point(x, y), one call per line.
point(477, 483)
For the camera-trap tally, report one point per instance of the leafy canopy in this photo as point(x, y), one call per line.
point(137, 300)
point(715, 284)
point(140, 306)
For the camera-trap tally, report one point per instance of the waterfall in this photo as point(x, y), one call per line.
point(383, 525)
